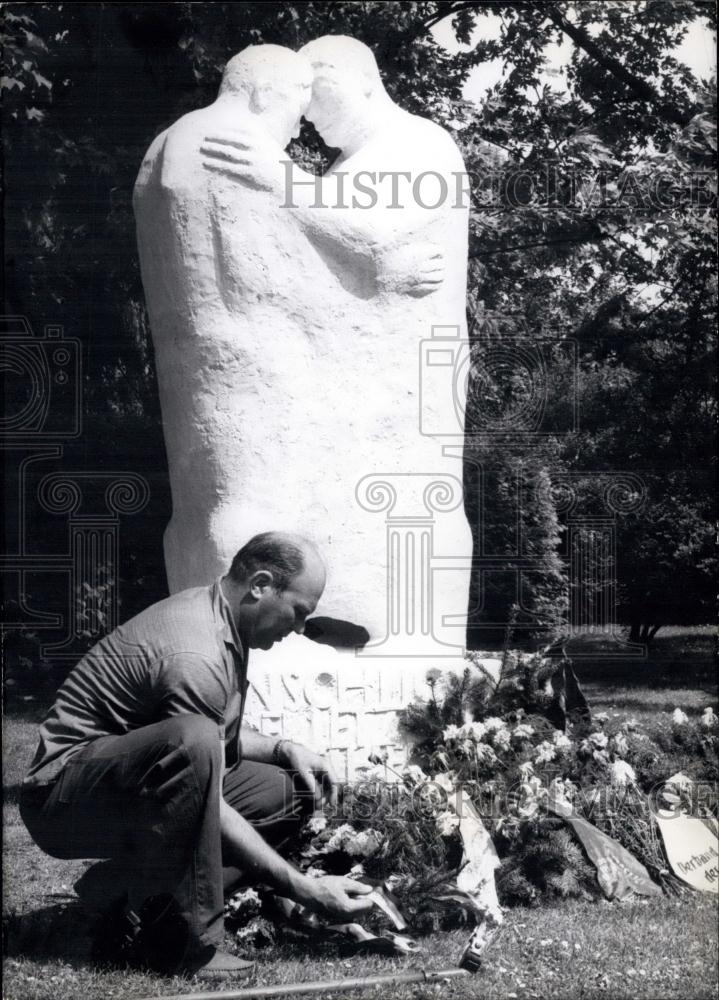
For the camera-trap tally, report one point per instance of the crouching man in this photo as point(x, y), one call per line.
point(143, 762)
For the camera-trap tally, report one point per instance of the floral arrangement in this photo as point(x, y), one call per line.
point(516, 763)
point(488, 741)
point(489, 738)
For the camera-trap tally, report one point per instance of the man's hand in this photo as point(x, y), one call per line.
point(245, 155)
point(313, 772)
point(335, 896)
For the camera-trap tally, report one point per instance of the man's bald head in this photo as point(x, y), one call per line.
point(345, 55)
point(284, 554)
point(274, 83)
point(275, 583)
point(261, 65)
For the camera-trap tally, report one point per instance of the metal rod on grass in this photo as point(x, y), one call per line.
point(319, 986)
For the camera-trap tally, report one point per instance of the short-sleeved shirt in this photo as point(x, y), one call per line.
point(182, 655)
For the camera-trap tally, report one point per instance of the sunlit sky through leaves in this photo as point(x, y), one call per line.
point(698, 51)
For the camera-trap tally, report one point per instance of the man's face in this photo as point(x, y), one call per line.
point(284, 100)
point(337, 102)
point(279, 613)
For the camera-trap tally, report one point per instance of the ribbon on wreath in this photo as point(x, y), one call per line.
point(619, 873)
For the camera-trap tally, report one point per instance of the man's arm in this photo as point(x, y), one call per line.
point(312, 769)
point(331, 896)
point(255, 746)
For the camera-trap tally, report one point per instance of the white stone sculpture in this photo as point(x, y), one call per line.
point(291, 344)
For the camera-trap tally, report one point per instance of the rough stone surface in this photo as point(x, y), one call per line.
point(291, 349)
point(340, 704)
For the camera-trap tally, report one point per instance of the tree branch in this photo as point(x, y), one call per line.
point(591, 237)
point(640, 88)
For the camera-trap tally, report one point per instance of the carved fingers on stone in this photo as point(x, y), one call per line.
point(243, 156)
point(415, 269)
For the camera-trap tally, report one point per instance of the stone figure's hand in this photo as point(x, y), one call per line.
point(336, 896)
point(313, 771)
point(415, 269)
point(244, 155)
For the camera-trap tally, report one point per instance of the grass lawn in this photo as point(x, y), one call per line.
point(653, 950)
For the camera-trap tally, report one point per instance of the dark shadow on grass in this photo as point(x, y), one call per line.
point(28, 711)
point(618, 698)
point(61, 930)
point(11, 794)
point(691, 670)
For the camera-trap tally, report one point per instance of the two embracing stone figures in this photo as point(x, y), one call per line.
point(294, 319)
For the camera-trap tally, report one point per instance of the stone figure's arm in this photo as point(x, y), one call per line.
point(176, 171)
point(330, 209)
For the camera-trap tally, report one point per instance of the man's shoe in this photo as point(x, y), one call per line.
point(222, 965)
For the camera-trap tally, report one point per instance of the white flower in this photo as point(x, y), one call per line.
point(313, 872)
point(523, 732)
point(679, 718)
point(535, 787)
point(595, 741)
point(601, 717)
point(451, 733)
point(531, 791)
point(473, 730)
point(356, 871)
point(544, 753)
point(466, 748)
point(243, 904)
point(338, 835)
point(709, 719)
point(620, 744)
point(493, 723)
point(485, 754)
point(447, 782)
point(356, 843)
point(601, 757)
point(528, 808)
point(502, 739)
point(561, 791)
point(364, 844)
point(622, 773)
point(316, 824)
point(526, 769)
point(561, 740)
point(413, 774)
point(447, 823)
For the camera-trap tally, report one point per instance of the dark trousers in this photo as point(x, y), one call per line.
point(150, 802)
